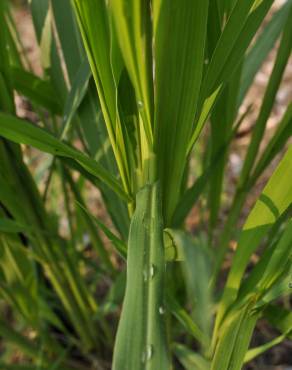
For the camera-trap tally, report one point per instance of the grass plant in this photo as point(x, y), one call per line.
point(142, 100)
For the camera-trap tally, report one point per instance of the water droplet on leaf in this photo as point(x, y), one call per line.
point(152, 271)
point(145, 275)
point(161, 310)
point(148, 353)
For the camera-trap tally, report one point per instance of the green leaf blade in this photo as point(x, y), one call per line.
point(21, 131)
point(141, 339)
point(179, 64)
